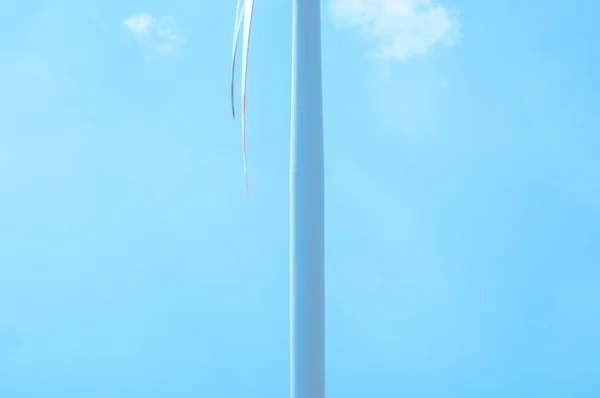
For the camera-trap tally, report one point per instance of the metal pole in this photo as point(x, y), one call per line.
point(307, 312)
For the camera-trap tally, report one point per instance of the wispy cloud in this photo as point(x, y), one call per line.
point(157, 34)
point(401, 28)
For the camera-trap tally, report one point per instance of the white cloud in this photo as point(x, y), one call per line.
point(156, 34)
point(401, 28)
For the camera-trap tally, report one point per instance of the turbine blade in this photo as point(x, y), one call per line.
point(239, 14)
point(248, 6)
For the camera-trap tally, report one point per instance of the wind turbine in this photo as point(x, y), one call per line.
point(307, 287)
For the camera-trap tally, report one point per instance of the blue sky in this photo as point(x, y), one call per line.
point(463, 209)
